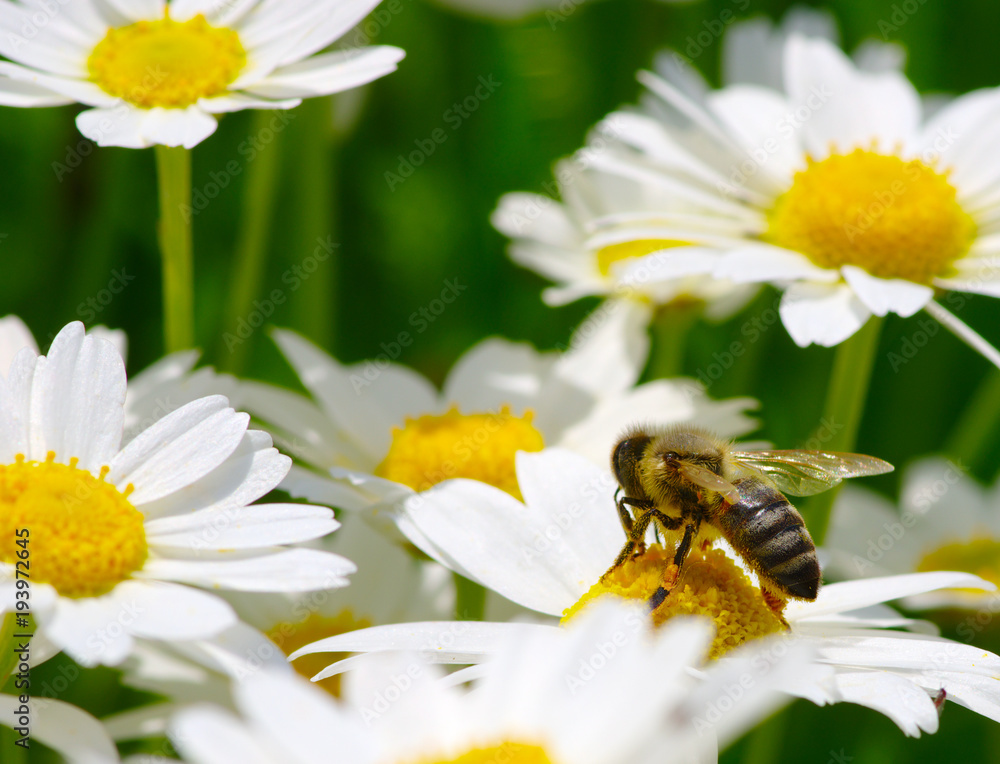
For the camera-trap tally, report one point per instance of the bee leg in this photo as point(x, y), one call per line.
point(636, 533)
point(635, 528)
point(627, 522)
point(674, 571)
point(776, 603)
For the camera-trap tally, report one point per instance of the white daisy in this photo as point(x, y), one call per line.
point(835, 188)
point(945, 521)
point(547, 696)
point(379, 434)
point(161, 73)
point(113, 533)
point(550, 556)
point(74, 734)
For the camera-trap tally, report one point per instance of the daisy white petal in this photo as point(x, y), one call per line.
point(763, 263)
point(74, 90)
point(78, 392)
point(239, 101)
point(203, 433)
point(823, 314)
point(115, 126)
point(248, 527)
point(890, 109)
point(292, 570)
point(910, 707)
point(328, 73)
point(176, 127)
point(881, 296)
point(851, 595)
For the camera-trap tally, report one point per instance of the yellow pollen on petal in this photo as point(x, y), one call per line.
point(711, 584)
point(507, 752)
point(289, 636)
point(979, 556)
point(433, 448)
point(84, 536)
point(628, 250)
point(167, 63)
point(894, 218)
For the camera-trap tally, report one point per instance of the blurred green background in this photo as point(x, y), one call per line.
point(72, 217)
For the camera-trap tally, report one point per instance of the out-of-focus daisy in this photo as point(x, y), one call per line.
point(835, 188)
point(590, 242)
point(390, 586)
point(546, 696)
point(380, 435)
point(945, 521)
point(160, 73)
point(183, 673)
point(74, 734)
point(552, 557)
point(117, 534)
point(556, 11)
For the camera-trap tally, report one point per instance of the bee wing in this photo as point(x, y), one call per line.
point(708, 479)
point(803, 473)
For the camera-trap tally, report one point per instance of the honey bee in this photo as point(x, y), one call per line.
point(688, 479)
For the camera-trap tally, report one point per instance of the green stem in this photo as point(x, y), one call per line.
point(845, 404)
point(315, 228)
point(470, 599)
point(174, 170)
point(670, 329)
point(978, 426)
point(251, 243)
point(8, 658)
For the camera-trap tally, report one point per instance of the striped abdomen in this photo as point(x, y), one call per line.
point(771, 535)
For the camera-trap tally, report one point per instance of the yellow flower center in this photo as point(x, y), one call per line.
point(505, 753)
point(627, 250)
point(979, 556)
point(711, 585)
point(290, 636)
point(480, 447)
point(890, 217)
point(84, 536)
point(167, 63)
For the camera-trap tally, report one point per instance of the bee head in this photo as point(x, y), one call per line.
point(626, 460)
